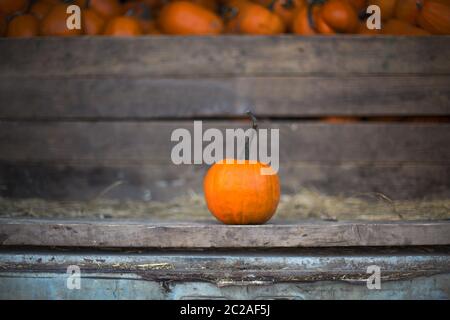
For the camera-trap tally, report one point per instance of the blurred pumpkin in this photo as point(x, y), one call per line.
point(92, 23)
point(107, 9)
point(23, 26)
point(230, 12)
point(358, 5)
point(387, 8)
point(286, 9)
point(303, 22)
point(237, 193)
point(142, 12)
point(54, 23)
point(434, 16)
point(258, 20)
point(186, 18)
point(401, 28)
point(9, 7)
point(407, 10)
point(40, 9)
point(340, 16)
point(321, 26)
point(123, 26)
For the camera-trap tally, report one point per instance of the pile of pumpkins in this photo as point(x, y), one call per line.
point(29, 18)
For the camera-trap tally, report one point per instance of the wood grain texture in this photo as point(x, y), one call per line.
point(149, 142)
point(122, 97)
point(146, 182)
point(231, 55)
point(137, 234)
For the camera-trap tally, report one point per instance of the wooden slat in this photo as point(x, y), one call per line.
point(232, 55)
point(215, 235)
point(165, 182)
point(149, 98)
point(149, 142)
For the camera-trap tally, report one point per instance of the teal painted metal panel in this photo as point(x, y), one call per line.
point(313, 274)
point(100, 286)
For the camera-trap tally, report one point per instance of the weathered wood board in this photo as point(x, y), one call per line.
point(150, 141)
point(231, 55)
point(78, 160)
point(165, 182)
point(116, 97)
point(146, 234)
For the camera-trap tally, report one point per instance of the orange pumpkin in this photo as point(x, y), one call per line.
point(40, 9)
point(387, 8)
point(107, 9)
point(303, 22)
point(230, 13)
point(92, 23)
point(399, 27)
point(321, 26)
point(186, 18)
point(54, 23)
point(123, 26)
point(435, 16)
point(407, 10)
point(239, 194)
point(286, 9)
point(359, 5)
point(142, 12)
point(8, 7)
point(256, 19)
point(23, 26)
point(340, 16)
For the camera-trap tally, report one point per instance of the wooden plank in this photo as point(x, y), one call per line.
point(149, 142)
point(140, 234)
point(149, 98)
point(233, 55)
point(146, 182)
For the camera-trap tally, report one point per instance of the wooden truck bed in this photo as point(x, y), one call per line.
point(86, 178)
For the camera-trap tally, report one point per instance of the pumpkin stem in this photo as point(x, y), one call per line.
point(247, 139)
point(311, 21)
point(253, 118)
